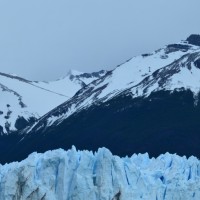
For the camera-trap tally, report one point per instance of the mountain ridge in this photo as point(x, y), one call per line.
point(103, 89)
point(25, 99)
point(148, 104)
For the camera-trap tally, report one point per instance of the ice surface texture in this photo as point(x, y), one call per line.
point(82, 175)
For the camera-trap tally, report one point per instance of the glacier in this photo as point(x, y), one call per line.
point(84, 175)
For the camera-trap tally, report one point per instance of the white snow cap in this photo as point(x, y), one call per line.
point(37, 98)
point(74, 72)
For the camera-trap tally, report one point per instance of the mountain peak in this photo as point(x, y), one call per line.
point(74, 72)
point(194, 39)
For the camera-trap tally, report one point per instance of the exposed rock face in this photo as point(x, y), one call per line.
point(194, 39)
point(21, 122)
point(75, 175)
point(197, 63)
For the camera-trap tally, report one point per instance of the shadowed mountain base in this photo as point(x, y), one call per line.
point(163, 122)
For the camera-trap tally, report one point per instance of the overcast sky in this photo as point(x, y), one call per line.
point(43, 39)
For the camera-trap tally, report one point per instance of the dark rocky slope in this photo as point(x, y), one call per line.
point(163, 122)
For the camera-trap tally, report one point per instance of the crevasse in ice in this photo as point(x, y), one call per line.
point(83, 175)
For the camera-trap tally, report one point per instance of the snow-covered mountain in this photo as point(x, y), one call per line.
point(174, 67)
point(23, 101)
point(81, 175)
point(148, 104)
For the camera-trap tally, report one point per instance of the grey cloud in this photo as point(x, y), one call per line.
point(42, 40)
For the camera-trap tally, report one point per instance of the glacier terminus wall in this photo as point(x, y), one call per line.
point(84, 175)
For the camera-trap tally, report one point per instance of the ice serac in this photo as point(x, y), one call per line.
point(81, 175)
